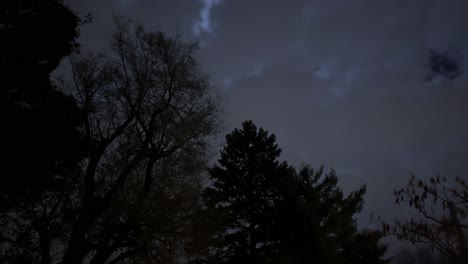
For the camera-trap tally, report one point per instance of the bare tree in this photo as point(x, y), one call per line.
point(148, 115)
point(148, 112)
point(443, 209)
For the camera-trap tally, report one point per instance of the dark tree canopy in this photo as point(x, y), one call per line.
point(41, 122)
point(244, 195)
point(36, 34)
point(316, 222)
point(144, 118)
point(43, 144)
point(259, 210)
point(148, 114)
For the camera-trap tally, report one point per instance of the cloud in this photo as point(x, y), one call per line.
point(228, 82)
point(325, 70)
point(204, 23)
point(256, 70)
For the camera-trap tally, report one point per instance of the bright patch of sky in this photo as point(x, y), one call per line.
point(324, 71)
point(338, 90)
point(204, 23)
point(256, 70)
point(228, 82)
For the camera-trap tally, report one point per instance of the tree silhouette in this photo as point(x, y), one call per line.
point(147, 113)
point(443, 209)
point(317, 225)
point(242, 201)
point(42, 143)
point(259, 210)
point(41, 121)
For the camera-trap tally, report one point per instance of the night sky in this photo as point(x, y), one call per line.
point(344, 84)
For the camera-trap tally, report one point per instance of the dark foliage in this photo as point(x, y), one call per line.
point(243, 199)
point(41, 123)
point(259, 210)
point(316, 224)
point(114, 177)
point(148, 114)
point(42, 140)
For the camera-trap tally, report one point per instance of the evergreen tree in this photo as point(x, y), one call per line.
point(259, 210)
point(315, 222)
point(242, 201)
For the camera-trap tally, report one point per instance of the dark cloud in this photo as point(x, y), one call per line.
point(341, 83)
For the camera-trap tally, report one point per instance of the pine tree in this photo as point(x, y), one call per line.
point(315, 222)
point(259, 210)
point(242, 200)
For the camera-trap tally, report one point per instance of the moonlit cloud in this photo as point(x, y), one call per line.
point(324, 71)
point(256, 70)
point(228, 82)
point(204, 23)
